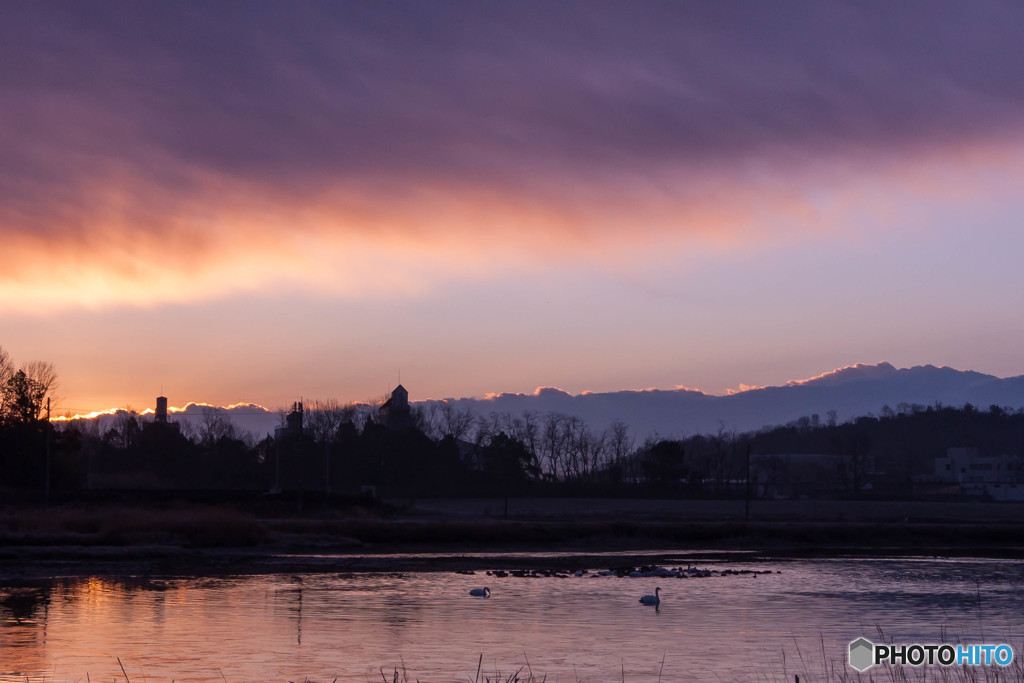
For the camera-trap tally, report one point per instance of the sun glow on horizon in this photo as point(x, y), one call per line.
point(651, 196)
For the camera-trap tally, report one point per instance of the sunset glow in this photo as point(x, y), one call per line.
point(262, 202)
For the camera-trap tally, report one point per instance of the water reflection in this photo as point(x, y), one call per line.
point(346, 626)
point(23, 619)
point(19, 606)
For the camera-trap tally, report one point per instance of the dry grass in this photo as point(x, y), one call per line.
point(247, 524)
point(188, 525)
point(813, 668)
point(820, 668)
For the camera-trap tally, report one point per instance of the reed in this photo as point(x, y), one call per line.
point(791, 666)
point(825, 669)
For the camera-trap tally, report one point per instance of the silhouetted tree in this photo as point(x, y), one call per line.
point(6, 370)
point(214, 426)
point(24, 391)
point(663, 464)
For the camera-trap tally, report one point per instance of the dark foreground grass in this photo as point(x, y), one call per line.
point(122, 525)
point(791, 665)
point(809, 672)
point(194, 525)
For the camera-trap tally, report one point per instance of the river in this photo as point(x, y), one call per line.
point(793, 617)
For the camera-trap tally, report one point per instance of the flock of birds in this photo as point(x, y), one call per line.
point(654, 600)
point(647, 572)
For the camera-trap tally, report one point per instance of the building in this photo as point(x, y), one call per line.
point(292, 427)
point(996, 476)
point(395, 413)
point(160, 424)
point(288, 446)
point(161, 410)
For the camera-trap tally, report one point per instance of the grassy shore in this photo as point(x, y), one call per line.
point(189, 532)
point(221, 526)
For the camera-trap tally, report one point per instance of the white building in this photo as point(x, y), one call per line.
point(998, 476)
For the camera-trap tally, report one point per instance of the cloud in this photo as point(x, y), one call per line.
point(539, 392)
point(158, 153)
point(742, 388)
point(249, 418)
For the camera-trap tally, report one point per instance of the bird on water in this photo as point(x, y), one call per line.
point(652, 599)
point(484, 592)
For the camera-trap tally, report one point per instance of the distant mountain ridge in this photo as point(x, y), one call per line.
point(852, 391)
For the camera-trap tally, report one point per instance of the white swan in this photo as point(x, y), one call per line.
point(484, 592)
point(652, 599)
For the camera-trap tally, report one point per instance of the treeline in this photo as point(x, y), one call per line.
point(897, 444)
point(442, 450)
point(344, 448)
point(445, 452)
point(339, 448)
point(24, 391)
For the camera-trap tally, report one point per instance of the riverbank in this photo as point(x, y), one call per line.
point(223, 539)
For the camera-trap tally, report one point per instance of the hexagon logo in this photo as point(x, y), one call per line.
point(862, 654)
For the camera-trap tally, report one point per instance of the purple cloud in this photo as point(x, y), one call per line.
point(382, 98)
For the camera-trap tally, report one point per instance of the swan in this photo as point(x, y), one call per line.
point(484, 592)
point(652, 599)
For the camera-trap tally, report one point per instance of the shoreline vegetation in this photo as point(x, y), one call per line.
point(182, 537)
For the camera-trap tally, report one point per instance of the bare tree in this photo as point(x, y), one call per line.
point(552, 441)
point(486, 427)
point(597, 452)
point(43, 374)
point(325, 419)
point(126, 430)
point(24, 392)
point(6, 366)
point(452, 421)
point(214, 426)
point(723, 454)
point(583, 452)
point(189, 430)
point(620, 445)
point(6, 374)
point(530, 434)
point(574, 463)
point(428, 420)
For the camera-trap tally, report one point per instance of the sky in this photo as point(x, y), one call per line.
point(256, 202)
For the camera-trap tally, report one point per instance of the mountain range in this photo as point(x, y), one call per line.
point(851, 392)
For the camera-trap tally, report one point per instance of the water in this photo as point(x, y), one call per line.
point(349, 626)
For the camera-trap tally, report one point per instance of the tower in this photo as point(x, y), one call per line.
point(395, 413)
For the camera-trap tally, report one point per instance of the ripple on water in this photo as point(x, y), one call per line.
point(346, 626)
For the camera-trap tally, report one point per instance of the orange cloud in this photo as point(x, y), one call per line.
point(133, 242)
point(742, 388)
point(236, 238)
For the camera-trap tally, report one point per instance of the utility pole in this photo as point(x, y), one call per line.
point(277, 462)
point(746, 509)
point(88, 468)
point(47, 427)
point(298, 448)
point(327, 469)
